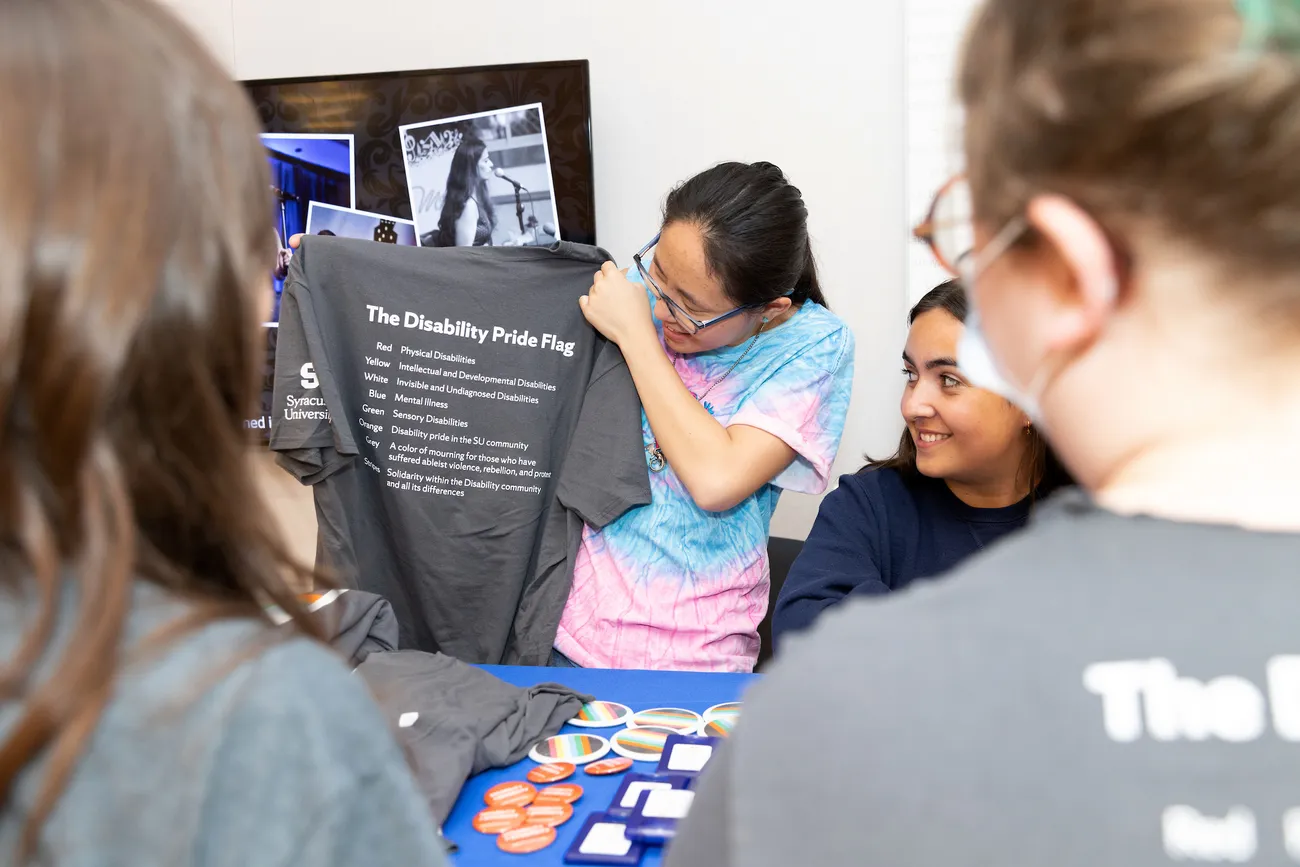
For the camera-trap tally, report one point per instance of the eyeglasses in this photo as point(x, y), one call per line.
point(949, 231)
point(685, 321)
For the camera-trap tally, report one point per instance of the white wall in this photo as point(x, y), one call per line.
point(934, 30)
point(812, 85)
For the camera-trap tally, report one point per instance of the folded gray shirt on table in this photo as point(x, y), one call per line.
point(455, 720)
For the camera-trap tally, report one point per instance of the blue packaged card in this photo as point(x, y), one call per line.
point(686, 754)
point(603, 840)
point(656, 814)
point(634, 784)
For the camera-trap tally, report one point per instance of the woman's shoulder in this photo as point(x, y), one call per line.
point(894, 490)
point(882, 487)
point(286, 705)
point(816, 335)
point(282, 685)
point(876, 499)
point(245, 737)
point(191, 697)
point(269, 685)
point(819, 323)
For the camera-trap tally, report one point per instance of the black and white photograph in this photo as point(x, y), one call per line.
point(481, 179)
point(323, 219)
point(305, 168)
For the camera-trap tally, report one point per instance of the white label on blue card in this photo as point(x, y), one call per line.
point(606, 838)
point(634, 791)
point(690, 757)
point(672, 804)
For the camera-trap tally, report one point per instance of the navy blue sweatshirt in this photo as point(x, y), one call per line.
point(878, 532)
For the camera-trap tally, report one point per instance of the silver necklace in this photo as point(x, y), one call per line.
point(654, 455)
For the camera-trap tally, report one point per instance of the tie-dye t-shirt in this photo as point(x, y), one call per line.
point(671, 586)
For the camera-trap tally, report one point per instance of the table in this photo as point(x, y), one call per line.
point(639, 690)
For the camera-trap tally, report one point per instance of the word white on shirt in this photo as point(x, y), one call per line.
point(1190, 836)
point(1291, 832)
point(304, 408)
point(1147, 696)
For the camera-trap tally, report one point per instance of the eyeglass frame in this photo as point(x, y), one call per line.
point(969, 264)
point(679, 314)
point(924, 231)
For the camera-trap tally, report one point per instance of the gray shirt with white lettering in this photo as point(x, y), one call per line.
point(1098, 690)
point(459, 421)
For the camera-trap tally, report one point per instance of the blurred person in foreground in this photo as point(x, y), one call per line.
point(149, 712)
point(1120, 682)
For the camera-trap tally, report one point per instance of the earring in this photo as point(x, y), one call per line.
point(764, 320)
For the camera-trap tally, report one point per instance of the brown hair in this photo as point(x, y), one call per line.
point(135, 246)
point(1151, 115)
point(1039, 468)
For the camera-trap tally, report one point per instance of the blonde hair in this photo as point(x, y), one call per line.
point(1155, 116)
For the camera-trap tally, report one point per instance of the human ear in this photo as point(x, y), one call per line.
point(1089, 293)
point(773, 309)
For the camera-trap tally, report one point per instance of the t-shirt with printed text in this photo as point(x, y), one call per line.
point(1096, 689)
point(459, 421)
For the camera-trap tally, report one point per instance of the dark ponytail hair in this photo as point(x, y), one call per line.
point(1045, 473)
point(755, 228)
point(463, 184)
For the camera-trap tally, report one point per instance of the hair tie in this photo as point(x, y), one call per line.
point(1270, 25)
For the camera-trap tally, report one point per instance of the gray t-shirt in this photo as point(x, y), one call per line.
point(459, 420)
point(1097, 690)
point(233, 747)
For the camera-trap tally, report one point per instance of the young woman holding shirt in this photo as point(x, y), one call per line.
point(1117, 683)
point(967, 471)
point(744, 376)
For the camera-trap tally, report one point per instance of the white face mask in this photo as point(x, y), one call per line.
point(977, 363)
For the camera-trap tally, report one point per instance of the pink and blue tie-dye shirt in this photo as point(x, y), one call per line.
point(671, 586)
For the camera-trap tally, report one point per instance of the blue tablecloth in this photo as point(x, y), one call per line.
point(639, 690)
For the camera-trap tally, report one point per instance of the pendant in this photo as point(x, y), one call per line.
point(655, 458)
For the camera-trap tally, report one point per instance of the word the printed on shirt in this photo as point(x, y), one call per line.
point(469, 331)
point(1147, 697)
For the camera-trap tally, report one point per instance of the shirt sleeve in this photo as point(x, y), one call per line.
point(804, 405)
point(303, 431)
point(605, 471)
point(841, 556)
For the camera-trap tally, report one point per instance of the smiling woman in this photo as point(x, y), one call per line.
point(984, 449)
point(967, 471)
